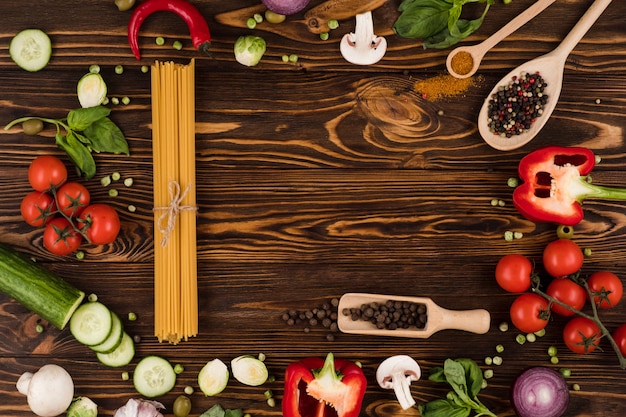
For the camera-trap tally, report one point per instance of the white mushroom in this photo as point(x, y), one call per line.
point(397, 372)
point(49, 391)
point(363, 47)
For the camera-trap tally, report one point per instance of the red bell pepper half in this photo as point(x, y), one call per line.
point(315, 387)
point(555, 184)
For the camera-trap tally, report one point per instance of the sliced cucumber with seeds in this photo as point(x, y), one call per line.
point(31, 49)
point(154, 376)
point(121, 356)
point(114, 339)
point(91, 323)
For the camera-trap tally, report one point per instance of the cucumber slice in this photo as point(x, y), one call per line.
point(91, 323)
point(154, 376)
point(115, 337)
point(121, 356)
point(31, 49)
point(213, 377)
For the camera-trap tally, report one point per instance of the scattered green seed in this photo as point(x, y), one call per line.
point(285, 58)
point(512, 182)
point(113, 192)
point(484, 384)
point(508, 236)
point(488, 373)
point(261, 357)
point(247, 415)
point(501, 203)
point(531, 337)
point(119, 69)
point(145, 69)
point(488, 361)
point(499, 348)
point(271, 378)
point(188, 390)
point(324, 36)
point(293, 58)
point(258, 17)
point(497, 360)
point(587, 252)
point(554, 360)
point(271, 402)
point(576, 387)
point(178, 45)
point(251, 23)
point(540, 333)
point(106, 181)
point(565, 372)
point(116, 176)
point(597, 159)
point(598, 101)
point(518, 235)
point(520, 338)
point(160, 40)
point(105, 101)
point(115, 100)
point(132, 316)
point(39, 328)
point(268, 394)
point(125, 376)
point(128, 182)
point(92, 298)
point(94, 68)
point(178, 369)
point(131, 208)
point(80, 255)
point(440, 112)
point(359, 364)
point(552, 351)
point(126, 100)
point(494, 202)
point(564, 232)
point(504, 326)
point(507, 1)
point(333, 24)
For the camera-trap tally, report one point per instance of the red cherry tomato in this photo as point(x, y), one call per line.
point(619, 335)
point(513, 273)
point(566, 291)
point(606, 287)
point(562, 257)
point(100, 223)
point(581, 335)
point(37, 208)
point(60, 237)
point(72, 198)
point(530, 312)
point(46, 172)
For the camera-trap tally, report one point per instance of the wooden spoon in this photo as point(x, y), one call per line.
point(477, 52)
point(438, 318)
point(551, 67)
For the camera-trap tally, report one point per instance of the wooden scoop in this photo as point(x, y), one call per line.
point(438, 318)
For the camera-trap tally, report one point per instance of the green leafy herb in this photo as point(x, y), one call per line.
point(82, 132)
point(438, 22)
point(219, 411)
point(466, 379)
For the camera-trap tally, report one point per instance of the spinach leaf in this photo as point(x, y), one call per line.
point(105, 136)
point(81, 119)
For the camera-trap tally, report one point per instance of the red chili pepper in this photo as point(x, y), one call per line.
point(315, 387)
point(198, 27)
point(555, 184)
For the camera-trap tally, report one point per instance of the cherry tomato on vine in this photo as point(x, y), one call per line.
point(530, 312)
point(72, 198)
point(46, 172)
point(566, 291)
point(37, 208)
point(562, 257)
point(513, 273)
point(581, 335)
point(100, 223)
point(619, 335)
point(606, 287)
point(60, 237)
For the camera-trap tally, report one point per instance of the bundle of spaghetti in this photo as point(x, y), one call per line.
point(174, 165)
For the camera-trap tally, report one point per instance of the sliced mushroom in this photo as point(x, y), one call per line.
point(363, 47)
point(397, 373)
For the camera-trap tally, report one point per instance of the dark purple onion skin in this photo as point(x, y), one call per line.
point(530, 375)
point(286, 7)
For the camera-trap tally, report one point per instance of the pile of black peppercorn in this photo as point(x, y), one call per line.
point(390, 315)
point(516, 106)
point(324, 316)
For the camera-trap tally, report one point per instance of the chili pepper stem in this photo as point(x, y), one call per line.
point(594, 317)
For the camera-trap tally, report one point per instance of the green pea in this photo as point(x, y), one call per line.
point(182, 406)
point(32, 126)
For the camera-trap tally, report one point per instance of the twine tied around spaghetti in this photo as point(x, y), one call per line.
point(171, 211)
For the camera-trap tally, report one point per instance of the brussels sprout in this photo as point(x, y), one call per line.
point(249, 49)
point(91, 89)
point(82, 407)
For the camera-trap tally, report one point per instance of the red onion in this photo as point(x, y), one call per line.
point(540, 392)
point(285, 7)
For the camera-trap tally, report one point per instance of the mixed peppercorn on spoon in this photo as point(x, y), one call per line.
point(521, 103)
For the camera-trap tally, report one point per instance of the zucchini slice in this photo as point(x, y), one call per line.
point(154, 376)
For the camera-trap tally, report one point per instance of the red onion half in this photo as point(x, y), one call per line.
point(540, 392)
point(285, 7)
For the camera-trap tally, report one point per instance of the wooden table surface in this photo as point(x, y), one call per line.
point(314, 179)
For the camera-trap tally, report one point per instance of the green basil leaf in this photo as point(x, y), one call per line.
point(437, 375)
point(81, 119)
point(215, 411)
point(443, 408)
point(441, 40)
point(473, 375)
point(105, 136)
point(78, 153)
point(418, 22)
point(455, 375)
point(238, 412)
